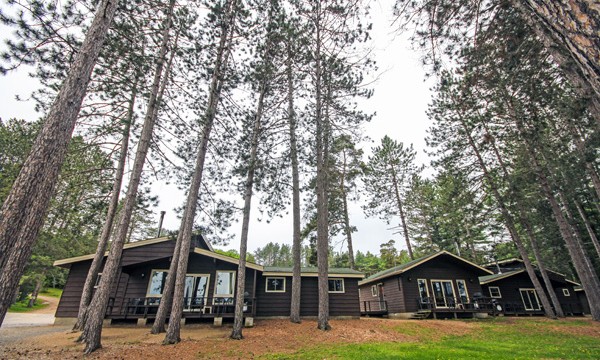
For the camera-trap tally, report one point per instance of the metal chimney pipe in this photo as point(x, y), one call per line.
point(160, 222)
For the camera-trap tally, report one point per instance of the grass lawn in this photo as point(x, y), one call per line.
point(490, 339)
point(21, 306)
point(54, 292)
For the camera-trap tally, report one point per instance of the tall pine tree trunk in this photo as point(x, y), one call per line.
point(297, 242)
point(588, 227)
point(348, 229)
point(529, 230)
point(23, 212)
point(588, 278)
point(569, 31)
point(322, 216)
point(508, 221)
point(93, 325)
point(88, 287)
point(238, 321)
point(399, 204)
point(177, 273)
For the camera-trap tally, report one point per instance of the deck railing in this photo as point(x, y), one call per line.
point(372, 307)
point(454, 304)
point(192, 307)
point(486, 304)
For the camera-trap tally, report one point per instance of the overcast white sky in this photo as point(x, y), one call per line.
point(400, 101)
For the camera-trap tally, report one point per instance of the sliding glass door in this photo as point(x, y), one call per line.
point(196, 289)
point(443, 293)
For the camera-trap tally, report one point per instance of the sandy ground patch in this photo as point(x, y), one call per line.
point(268, 336)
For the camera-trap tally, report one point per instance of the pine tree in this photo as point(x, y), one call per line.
point(37, 178)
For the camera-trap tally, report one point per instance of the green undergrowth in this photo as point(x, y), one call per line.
point(21, 306)
point(523, 339)
point(53, 292)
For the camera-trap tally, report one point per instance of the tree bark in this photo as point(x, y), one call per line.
point(36, 291)
point(23, 212)
point(530, 233)
point(238, 321)
point(185, 231)
point(297, 242)
point(401, 212)
point(88, 287)
point(322, 216)
point(93, 325)
point(588, 227)
point(569, 31)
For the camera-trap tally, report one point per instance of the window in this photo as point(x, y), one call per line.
point(495, 292)
point(98, 278)
point(566, 292)
point(336, 285)
point(157, 283)
point(462, 291)
point(423, 290)
point(225, 284)
point(374, 291)
point(275, 284)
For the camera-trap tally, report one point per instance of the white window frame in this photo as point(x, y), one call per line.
point(336, 292)
point(274, 277)
point(458, 289)
point(426, 287)
point(232, 284)
point(374, 290)
point(566, 292)
point(536, 299)
point(492, 295)
point(98, 278)
point(150, 283)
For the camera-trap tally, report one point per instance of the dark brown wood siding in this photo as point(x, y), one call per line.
point(132, 281)
point(278, 304)
point(439, 268)
point(401, 291)
point(509, 289)
point(68, 305)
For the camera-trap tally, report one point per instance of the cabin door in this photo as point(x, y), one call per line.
point(381, 297)
point(443, 293)
point(196, 289)
point(530, 299)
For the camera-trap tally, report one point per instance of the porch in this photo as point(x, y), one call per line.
point(451, 307)
point(193, 308)
point(373, 308)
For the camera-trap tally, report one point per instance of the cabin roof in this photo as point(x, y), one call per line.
point(312, 271)
point(495, 277)
point(502, 262)
point(267, 270)
point(414, 263)
point(135, 244)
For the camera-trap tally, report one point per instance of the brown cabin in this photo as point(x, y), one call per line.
point(209, 286)
point(512, 290)
point(438, 285)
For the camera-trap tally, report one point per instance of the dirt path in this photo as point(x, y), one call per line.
point(38, 317)
point(50, 309)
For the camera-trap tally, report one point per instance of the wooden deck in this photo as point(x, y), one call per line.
point(194, 308)
point(375, 308)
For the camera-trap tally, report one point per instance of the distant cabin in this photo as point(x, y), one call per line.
point(210, 287)
point(437, 285)
point(512, 290)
